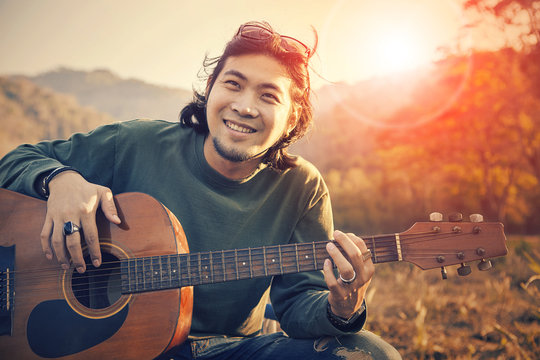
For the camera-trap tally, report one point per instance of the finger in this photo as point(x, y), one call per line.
point(108, 207)
point(73, 245)
point(329, 276)
point(357, 251)
point(349, 246)
point(45, 237)
point(343, 265)
point(91, 237)
point(59, 245)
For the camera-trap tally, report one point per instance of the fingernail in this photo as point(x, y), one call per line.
point(327, 262)
point(117, 219)
point(80, 269)
point(65, 266)
point(48, 255)
point(330, 246)
point(96, 262)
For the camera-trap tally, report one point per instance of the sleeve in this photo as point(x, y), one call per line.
point(300, 300)
point(92, 154)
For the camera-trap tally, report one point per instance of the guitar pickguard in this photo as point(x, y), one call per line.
point(55, 330)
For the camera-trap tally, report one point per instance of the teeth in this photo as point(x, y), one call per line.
point(238, 128)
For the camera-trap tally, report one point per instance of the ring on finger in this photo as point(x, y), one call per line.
point(70, 228)
point(348, 281)
point(366, 255)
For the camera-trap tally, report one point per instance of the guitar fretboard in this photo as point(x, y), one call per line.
point(174, 271)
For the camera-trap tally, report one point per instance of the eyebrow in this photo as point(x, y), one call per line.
point(243, 77)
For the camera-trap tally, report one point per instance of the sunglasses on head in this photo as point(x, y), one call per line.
point(257, 32)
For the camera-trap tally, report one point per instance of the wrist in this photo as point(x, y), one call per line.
point(344, 324)
point(46, 180)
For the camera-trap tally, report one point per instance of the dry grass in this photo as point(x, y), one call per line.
point(487, 315)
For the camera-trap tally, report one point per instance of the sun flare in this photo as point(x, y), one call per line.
point(396, 51)
point(371, 39)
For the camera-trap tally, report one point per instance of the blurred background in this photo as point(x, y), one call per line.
point(420, 106)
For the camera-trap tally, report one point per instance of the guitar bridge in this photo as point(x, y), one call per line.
point(7, 289)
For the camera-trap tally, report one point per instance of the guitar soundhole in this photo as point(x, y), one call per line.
point(98, 288)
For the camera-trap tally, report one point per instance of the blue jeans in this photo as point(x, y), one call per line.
point(362, 345)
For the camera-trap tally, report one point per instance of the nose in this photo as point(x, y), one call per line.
point(245, 107)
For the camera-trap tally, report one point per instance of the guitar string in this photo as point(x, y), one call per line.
point(236, 256)
point(201, 277)
point(194, 273)
point(195, 279)
point(284, 249)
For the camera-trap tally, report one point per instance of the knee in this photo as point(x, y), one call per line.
point(370, 344)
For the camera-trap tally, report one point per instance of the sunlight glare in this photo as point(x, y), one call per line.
point(397, 51)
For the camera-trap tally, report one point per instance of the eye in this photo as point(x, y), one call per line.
point(231, 84)
point(270, 97)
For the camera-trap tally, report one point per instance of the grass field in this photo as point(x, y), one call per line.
point(491, 314)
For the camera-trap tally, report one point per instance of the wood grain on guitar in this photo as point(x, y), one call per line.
point(138, 304)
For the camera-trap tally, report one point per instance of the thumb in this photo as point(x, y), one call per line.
point(108, 207)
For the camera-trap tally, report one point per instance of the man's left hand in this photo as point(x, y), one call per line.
point(346, 297)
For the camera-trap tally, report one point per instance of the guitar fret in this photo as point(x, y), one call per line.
point(151, 272)
point(183, 268)
point(144, 274)
point(374, 250)
point(250, 264)
point(314, 256)
point(264, 262)
point(188, 265)
point(280, 262)
point(236, 262)
point(137, 273)
point(223, 265)
point(199, 267)
point(211, 268)
point(296, 255)
point(173, 271)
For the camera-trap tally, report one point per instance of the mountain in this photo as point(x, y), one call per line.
point(124, 99)
point(347, 117)
point(30, 113)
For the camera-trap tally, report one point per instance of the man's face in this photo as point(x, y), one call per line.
point(248, 109)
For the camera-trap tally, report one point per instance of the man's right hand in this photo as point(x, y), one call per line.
point(72, 198)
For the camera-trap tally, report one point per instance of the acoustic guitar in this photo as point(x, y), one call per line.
point(138, 303)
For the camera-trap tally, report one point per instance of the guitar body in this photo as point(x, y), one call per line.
point(47, 312)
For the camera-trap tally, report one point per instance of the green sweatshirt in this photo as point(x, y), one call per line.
point(166, 161)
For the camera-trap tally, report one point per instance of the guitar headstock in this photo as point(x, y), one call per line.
point(436, 244)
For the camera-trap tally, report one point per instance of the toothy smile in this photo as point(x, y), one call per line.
point(238, 128)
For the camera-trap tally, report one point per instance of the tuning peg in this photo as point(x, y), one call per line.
point(464, 270)
point(484, 265)
point(435, 216)
point(455, 217)
point(444, 274)
point(476, 218)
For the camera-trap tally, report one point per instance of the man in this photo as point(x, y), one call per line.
point(224, 171)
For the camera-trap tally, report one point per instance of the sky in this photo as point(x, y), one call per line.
point(164, 41)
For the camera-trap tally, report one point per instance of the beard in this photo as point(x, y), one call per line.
point(232, 155)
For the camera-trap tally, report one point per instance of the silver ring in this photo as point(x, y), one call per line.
point(69, 228)
point(366, 255)
point(348, 281)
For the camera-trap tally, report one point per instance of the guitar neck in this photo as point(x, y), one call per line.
point(173, 271)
